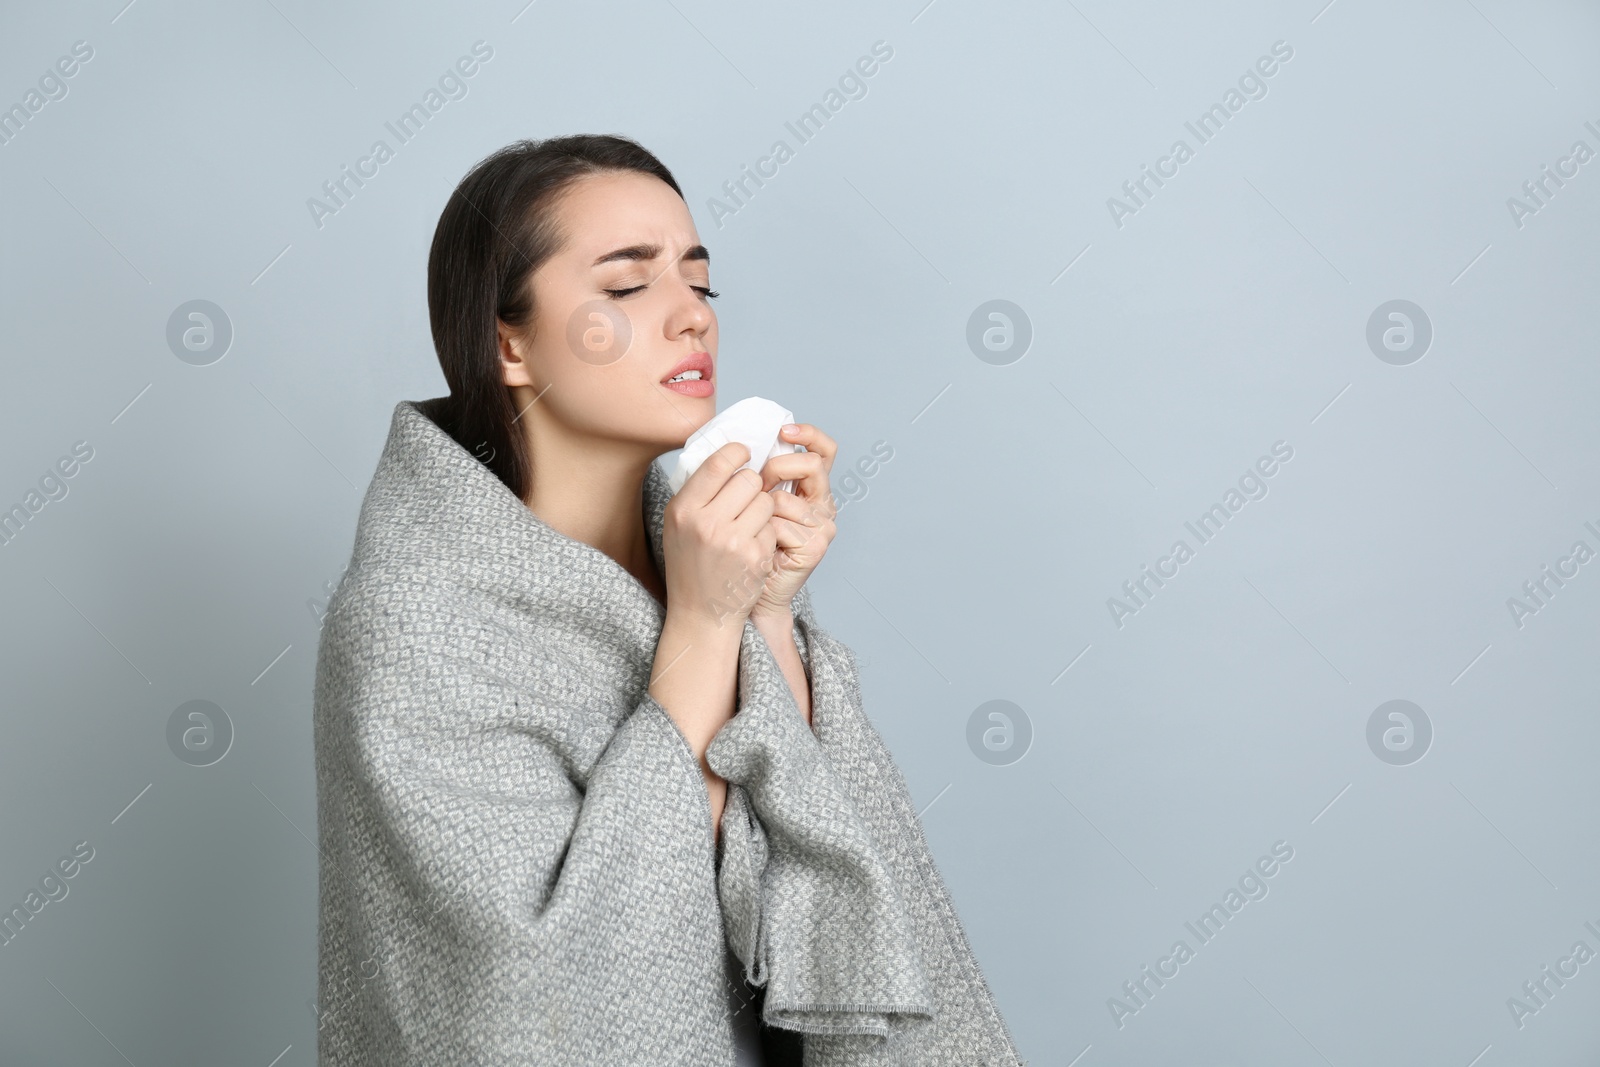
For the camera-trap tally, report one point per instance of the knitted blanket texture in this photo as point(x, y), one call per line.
point(517, 859)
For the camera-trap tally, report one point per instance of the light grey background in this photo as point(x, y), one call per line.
point(191, 553)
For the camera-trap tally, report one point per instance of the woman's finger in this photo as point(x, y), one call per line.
point(795, 520)
point(809, 473)
point(814, 440)
point(793, 466)
point(796, 509)
point(753, 517)
point(715, 483)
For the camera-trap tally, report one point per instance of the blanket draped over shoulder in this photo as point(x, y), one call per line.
point(517, 858)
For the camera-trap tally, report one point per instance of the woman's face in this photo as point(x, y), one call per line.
point(616, 312)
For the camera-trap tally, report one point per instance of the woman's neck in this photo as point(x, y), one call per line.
point(595, 494)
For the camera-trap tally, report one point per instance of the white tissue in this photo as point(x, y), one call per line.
point(755, 421)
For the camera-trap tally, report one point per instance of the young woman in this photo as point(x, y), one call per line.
point(593, 785)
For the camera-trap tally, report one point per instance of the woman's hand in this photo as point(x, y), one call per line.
point(718, 540)
point(802, 521)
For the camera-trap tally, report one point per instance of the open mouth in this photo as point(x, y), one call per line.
point(691, 383)
point(693, 376)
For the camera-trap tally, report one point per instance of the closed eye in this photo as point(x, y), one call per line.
point(618, 294)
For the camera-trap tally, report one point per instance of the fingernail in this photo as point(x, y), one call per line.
point(791, 429)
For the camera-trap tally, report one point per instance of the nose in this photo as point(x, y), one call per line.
point(690, 312)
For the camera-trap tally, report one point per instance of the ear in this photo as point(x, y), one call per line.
point(514, 368)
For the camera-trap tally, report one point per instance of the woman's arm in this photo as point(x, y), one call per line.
point(808, 902)
point(505, 879)
point(779, 633)
point(693, 679)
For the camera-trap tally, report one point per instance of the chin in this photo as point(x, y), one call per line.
point(699, 410)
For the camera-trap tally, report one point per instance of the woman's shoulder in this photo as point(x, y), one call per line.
point(411, 639)
point(409, 593)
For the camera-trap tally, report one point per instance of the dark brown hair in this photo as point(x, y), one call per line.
point(497, 229)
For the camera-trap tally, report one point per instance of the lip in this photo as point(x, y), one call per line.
point(700, 361)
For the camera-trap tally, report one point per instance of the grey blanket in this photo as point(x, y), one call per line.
point(517, 860)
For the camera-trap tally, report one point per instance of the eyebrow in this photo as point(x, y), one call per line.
point(649, 251)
